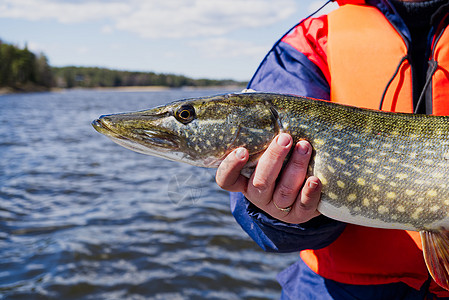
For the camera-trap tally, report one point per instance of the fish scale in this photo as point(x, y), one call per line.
point(377, 169)
point(381, 168)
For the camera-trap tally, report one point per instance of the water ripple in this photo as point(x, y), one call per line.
point(82, 218)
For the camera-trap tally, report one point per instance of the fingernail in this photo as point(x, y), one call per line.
point(283, 140)
point(240, 153)
point(302, 147)
point(313, 184)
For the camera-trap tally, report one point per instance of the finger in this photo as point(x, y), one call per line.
point(305, 208)
point(293, 175)
point(270, 164)
point(228, 175)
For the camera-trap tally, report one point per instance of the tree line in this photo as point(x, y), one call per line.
point(69, 77)
point(22, 70)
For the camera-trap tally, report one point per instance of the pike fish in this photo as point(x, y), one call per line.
point(378, 169)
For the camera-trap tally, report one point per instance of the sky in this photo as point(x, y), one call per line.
point(216, 39)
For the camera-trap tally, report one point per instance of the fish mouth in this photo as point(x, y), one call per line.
point(99, 126)
point(103, 128)
point(137, 139)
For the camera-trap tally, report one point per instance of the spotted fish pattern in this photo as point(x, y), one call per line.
point(378, 169)
point(386, 170)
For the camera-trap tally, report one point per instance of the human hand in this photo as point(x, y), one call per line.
point(288, 199)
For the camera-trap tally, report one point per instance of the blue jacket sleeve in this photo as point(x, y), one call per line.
point(285, 70)
point(288, 71)
point(273, 235)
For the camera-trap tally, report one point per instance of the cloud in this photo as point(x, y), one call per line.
point(175, 19)
point(63, 12)
point(107, 29)
point(228, 48)
point(157, 19)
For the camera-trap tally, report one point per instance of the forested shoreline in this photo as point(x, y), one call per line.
point(89, 77)
point(21, 70)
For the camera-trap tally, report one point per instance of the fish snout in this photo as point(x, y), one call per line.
point(100, 124)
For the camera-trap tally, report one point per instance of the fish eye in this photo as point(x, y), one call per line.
point(185, 114)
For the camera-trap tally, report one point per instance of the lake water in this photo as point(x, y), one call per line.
point(83, 218)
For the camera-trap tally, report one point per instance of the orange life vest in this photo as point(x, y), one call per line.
point(365, 53)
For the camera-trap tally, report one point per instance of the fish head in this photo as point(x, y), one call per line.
point(199, 131)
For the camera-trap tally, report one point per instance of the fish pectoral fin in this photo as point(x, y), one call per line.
point(436, 254)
